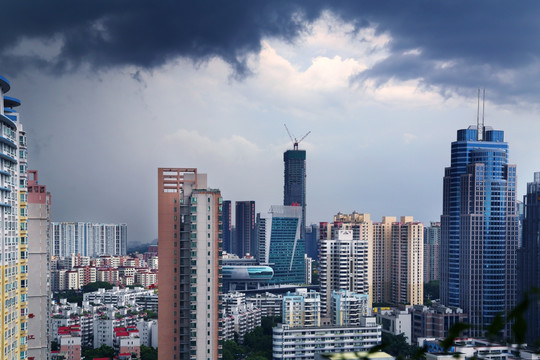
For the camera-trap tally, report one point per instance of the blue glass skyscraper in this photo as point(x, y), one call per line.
point(280, 244)
point(479, 227)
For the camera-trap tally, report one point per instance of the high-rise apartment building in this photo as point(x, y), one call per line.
point(294, 189)
point(227, 226)
point(407, 262)
point(528, 267)
point(245, 241)
point(345, 259)
point(189, 233)
point(88, 239)
point(398, 270)
point(280, 244)
point(39, 291)
point(382, 260)
point(432, 240)
point(13, 233)
point(479, 227)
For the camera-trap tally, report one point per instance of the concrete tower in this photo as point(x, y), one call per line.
point(189, 233)
point(294, 189)
point(39, 291)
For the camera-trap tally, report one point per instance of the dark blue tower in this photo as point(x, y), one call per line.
point(227, 226)
point(294, 189)
point(529, 257)
point(479, 227)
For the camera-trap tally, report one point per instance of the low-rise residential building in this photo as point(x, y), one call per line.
point(469, 348)
point(434, 321)
point(270, 304)
point(306, 342)
point(396, 322)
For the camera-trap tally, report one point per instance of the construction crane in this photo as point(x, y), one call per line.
point(294, 140)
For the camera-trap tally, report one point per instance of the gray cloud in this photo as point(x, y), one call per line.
point(481, 38)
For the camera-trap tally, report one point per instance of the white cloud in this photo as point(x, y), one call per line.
point(226, 149)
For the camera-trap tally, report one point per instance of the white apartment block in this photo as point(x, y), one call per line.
point(302, 309)
point(270, 304)
point(396, 322)
point(344, 259)
point(241, 319)
point(148, 332)
point(348, 308)
point(117, 296)
point(305, 342)
point(308, 264)
point(88, 239)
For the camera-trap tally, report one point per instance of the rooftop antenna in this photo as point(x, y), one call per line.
point(483, 112)
point(294, 140)
point(479, 132)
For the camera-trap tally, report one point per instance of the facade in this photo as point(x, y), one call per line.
point(407, 262)
point(39, 292)
point(434, 321)
point(13, 234)
point(396, 322)
point(345, 256)
point(432, 241)
point(479, 228)
point(294, 188)
point(312, 241)
point(382, 260)
point(280, 244)
point(306, 342)
point(528, 267)
point(348, 308)
point(245, 240)
point(308, 269)
point(270, 304)
point(189, 233)
point(227, 226)
point(302, 309)
point(398, 270)
point(88, 239)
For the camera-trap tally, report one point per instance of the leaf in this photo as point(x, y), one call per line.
point(453, 333)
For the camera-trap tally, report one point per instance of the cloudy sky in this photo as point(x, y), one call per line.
point(112, 90)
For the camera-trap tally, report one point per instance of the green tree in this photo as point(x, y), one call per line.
point(233, 351)
point(101, 352)
point(431, 291)
point(148, 353)
point(94, 286)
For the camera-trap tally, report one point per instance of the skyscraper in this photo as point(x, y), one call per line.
point(13, 233)
point(39, 291)
point(432, 240)
point(280, 245)
point(294, 189)
point(227, 226)
point(479, 227)
point(245, 229)
point(189, 233)
point(529, 256)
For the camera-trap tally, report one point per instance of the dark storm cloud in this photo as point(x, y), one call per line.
point(480, 39)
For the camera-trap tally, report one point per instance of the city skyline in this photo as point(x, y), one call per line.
point(382, 89)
